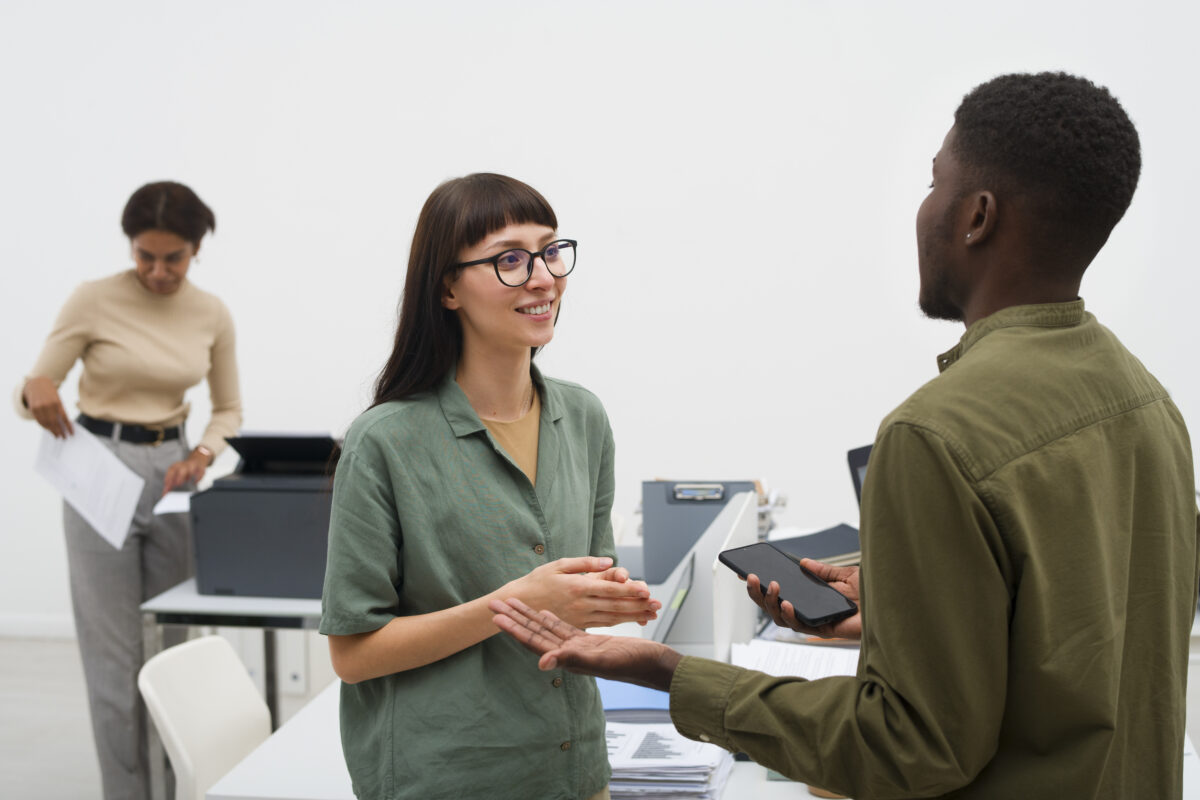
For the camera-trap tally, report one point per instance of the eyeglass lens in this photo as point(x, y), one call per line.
point(513, 265)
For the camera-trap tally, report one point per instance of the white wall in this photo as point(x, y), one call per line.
point(742, 177)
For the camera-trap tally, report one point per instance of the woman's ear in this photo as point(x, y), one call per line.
point(448, 299)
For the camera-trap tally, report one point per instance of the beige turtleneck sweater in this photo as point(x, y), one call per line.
point(141, 352)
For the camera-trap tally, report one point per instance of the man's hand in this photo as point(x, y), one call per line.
point(844, 579)
point(619, 658)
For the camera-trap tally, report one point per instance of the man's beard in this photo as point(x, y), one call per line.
point(935, 301)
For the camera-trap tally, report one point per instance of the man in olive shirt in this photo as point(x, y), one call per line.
point(1029, 528)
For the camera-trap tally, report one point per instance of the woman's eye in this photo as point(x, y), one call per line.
point(509, 260)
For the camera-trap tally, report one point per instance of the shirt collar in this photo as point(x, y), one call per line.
point(1042, 315)
point(463, 419)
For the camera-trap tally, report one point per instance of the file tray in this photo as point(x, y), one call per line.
point(674, 515)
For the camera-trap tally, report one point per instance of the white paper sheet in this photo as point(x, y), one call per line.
point(103, 490)
point(174, 503)
point(805, 660)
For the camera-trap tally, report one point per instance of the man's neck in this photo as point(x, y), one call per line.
point(1015, 288)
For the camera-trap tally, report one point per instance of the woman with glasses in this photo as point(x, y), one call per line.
point(471, 477)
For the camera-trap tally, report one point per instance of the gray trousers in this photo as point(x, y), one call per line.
point(107, 588)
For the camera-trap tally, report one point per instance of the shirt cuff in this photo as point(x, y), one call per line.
point(700, 692)
point(19, 402)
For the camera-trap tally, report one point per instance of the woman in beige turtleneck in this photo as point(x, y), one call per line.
point(145, 336)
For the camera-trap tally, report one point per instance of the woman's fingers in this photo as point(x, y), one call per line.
point(583, 564)
point(613, 589)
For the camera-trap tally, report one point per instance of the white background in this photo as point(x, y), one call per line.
point(742, 178)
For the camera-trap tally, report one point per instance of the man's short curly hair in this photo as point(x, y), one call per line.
point(1063, 143)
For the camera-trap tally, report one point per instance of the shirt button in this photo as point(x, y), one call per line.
point(539, 549)
point(704, 737)
point(557, 682)
point(565, 746)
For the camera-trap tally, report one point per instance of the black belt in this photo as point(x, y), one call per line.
point(135, 434)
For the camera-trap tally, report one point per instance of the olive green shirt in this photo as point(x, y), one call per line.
point(429, 513)
point(1029, 579)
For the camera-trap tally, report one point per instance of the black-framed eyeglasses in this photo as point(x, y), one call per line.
point(514, 267)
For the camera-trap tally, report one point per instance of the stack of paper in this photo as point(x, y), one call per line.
point(656, 761)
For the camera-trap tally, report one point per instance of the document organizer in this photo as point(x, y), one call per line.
point(674, 515)
point(263, 530)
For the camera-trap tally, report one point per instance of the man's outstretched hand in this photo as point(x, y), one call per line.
point(559, 645)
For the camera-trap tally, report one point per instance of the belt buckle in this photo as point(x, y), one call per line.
point(162, 431)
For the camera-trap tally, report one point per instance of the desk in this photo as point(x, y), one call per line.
point(303, 761)
point(184, 605)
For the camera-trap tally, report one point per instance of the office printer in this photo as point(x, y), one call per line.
point(263, 530)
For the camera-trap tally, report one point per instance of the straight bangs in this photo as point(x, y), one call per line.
point(492, 202)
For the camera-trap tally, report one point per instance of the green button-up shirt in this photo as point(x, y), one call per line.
point(1029, 579)
point(428, 513)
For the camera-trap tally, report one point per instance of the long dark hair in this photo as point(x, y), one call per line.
point(459, 213)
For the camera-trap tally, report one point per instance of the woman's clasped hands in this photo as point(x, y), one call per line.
point(587, 592)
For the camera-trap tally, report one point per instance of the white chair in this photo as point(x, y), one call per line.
point(207, 710)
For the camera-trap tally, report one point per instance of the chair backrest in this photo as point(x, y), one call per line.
point(207, 710)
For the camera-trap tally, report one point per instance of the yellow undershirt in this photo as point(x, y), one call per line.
point(519, 438)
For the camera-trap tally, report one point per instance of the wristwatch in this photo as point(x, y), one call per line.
point(204, 451)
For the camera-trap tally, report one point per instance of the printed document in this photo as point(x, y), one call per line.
point(103, 490)
point(657, 761)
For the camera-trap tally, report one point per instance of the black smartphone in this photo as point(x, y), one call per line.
point(816, 602)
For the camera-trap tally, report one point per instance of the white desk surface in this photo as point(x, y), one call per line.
point(303, 761)
point(185, 598)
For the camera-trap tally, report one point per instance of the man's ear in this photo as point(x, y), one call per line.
point(982, 213)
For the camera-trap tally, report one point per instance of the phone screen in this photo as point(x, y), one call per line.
point(816, 602)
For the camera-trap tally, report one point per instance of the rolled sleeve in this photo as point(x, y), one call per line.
point(362, 572)
point(700, 692)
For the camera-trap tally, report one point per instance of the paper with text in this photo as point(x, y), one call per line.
point(650, 760)
point(103, 490)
